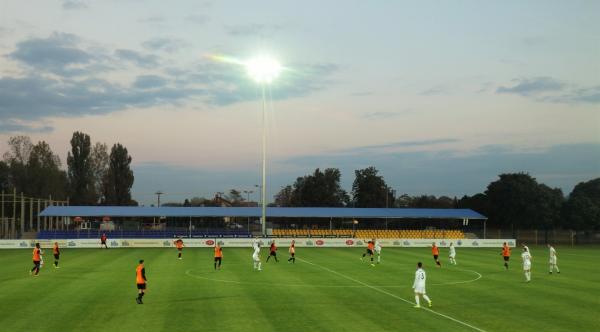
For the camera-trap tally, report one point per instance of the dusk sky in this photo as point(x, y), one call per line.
point(440, 96)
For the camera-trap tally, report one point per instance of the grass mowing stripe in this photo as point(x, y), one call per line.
point(393, 295)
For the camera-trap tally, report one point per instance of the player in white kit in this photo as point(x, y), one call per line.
point(378, 250)
point(419, 285)
point(256, 254)
point(452, 254)
point(526, 256)
point(552, 261)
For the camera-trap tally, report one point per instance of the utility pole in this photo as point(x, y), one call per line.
point(158, 193)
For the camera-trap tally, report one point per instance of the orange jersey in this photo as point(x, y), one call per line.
point(179, 244)
point(435, 250)
point(36, 254)
point(506, 251)
point(218, 252)
point(371, 245)
point(292, 249)
point(55, 249)
point(140, 277)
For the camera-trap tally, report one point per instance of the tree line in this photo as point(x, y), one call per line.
point(93, 175)
point(514, 200)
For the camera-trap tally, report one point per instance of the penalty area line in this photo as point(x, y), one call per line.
point(392, 295)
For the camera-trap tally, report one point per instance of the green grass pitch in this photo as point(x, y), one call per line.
point(326, 290)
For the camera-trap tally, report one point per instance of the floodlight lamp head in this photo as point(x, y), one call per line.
point(263, 69)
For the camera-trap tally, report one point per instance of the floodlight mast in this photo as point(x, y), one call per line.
point(263, 70)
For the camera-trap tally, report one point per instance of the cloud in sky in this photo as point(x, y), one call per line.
point(577, 96)
point(11, 126)
point(433, 91)
point(197, 19)
point(137, 58)
point(149, 82)
point(76, 90)
point(58, 54)
point(548, 89)
point(74, 4)
point(35, 97)
point(532, 86)
point(377, 149)
point(166, 44)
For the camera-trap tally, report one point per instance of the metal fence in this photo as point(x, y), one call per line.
point(19, 215)
point(541, 237)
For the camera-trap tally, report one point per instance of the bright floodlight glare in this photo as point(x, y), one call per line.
point(263, 69)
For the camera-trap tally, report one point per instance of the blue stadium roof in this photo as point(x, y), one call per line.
point(300, 212)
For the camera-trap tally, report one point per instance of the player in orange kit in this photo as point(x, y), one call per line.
point(436, 253)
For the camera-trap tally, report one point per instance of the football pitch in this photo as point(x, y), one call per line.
point(327, 289)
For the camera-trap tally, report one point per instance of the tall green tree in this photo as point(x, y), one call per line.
point(119, 177)
point(81, 180)
point(99, 161)
point(235, 197)
point(517, 200)
point(4, 176)
point(582, 209)
point(319, 189)
point(45, 176)
point(549, 206)
point(17, 159)
point(284, 197)
point(369, 189)
point(478, 202)
point(432, 202)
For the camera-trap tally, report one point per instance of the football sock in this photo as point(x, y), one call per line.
point(215, 265)
point(179, 255)
point(268, 257)
point(556, 267)
point(426, 298)
point(259, 263)
point(55, 263)
point(417, 299)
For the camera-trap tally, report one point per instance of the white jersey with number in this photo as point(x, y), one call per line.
point(378, 247)
point(420, 278)
point(452, 251)
point(552, 255)
point(526, 260)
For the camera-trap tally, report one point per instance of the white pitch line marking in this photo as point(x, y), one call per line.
point(393, 295)
point(188, 272)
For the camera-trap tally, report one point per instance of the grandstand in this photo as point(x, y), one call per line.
point(140, 234)
point(372, 233)
point(232, 222)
